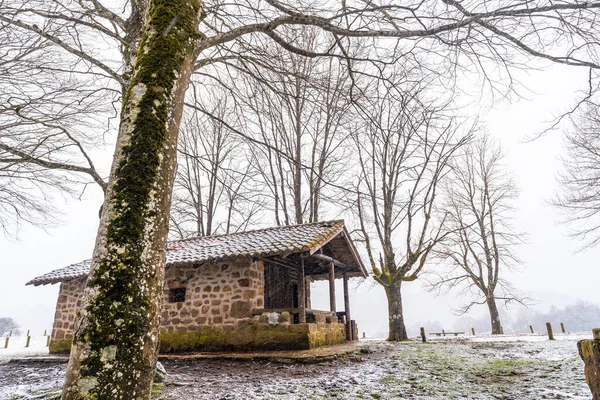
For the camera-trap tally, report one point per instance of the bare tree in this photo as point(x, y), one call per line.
point(161, 42)
point(213, 190)
point(404, 148)
point(299, 108)
point(579, 199)
point(8, 325)
point(480, 247)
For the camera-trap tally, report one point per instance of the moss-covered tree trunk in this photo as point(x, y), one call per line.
point(396, 315)
point(494, 315)
point(116, 337)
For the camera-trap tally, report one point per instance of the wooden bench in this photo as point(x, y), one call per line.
point(444, 333)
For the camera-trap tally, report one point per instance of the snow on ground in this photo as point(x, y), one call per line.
point(523, 367)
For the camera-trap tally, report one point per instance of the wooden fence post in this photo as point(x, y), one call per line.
point(473, 331)
point(10, 333)
point(28, 341)
point(549, 329)
point(531, 328)
point(364, 336)
point(45, 331)
point(562, 327)
point(443, 332)
point(423, 338)
point(48, 341)
point(6, 342)
point(501, 330)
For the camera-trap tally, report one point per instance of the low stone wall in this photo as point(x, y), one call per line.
point(252, 338)
point(589, 350)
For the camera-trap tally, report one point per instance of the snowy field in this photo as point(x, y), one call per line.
point(16, 347)
point(524, 367)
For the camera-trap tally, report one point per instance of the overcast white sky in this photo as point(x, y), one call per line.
point(551, 271)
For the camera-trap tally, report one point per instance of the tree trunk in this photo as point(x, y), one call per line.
point(116, 337)
point(494, 315)
point(396, 316)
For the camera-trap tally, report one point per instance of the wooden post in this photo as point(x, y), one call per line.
point(364, 336)
point(307, 300)
point(473, 331)
point(10, 333)
point(332, 288)
point(301, 293)
point(28, 341)
point(501, 330)
point(443, 332)
point(352, 329)
point(27, 332)
point(6, 342)
point(347, 306)
point(549, 329)
point(47, 341)
point(531, 328)
point(423, 337)
point(45, 331)
point(562, 327)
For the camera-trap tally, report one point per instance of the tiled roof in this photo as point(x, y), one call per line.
point(278, 241)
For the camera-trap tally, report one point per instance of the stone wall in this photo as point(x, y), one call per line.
point(257, 336)
point(223, 293)
point(70, 296)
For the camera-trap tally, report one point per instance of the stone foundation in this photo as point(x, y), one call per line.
point(589, 350)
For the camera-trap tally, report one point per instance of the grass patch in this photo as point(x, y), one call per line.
point(157, 388)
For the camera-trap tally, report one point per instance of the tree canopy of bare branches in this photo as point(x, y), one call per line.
point(215, 191)
point(579, 198)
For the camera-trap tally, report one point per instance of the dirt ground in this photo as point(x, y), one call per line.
point(441, 369)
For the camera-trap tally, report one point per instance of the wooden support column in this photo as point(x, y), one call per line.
point(307, 301)
point(301, 293)
point(332, 287)
point(347, 308)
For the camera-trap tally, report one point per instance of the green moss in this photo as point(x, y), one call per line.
point(229, 338)
point(326, 334)
point(60, 346)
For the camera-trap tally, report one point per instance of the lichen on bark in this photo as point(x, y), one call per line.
point(114, 351)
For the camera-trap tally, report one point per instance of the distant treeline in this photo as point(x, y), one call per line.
point(578, 317)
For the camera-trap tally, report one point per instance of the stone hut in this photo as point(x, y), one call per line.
point(241, 291)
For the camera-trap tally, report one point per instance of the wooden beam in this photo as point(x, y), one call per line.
point(332, 287)
point(347, 308)
point(301, 293)
point(323, 257)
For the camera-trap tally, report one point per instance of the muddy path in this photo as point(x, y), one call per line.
point(441, 370)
